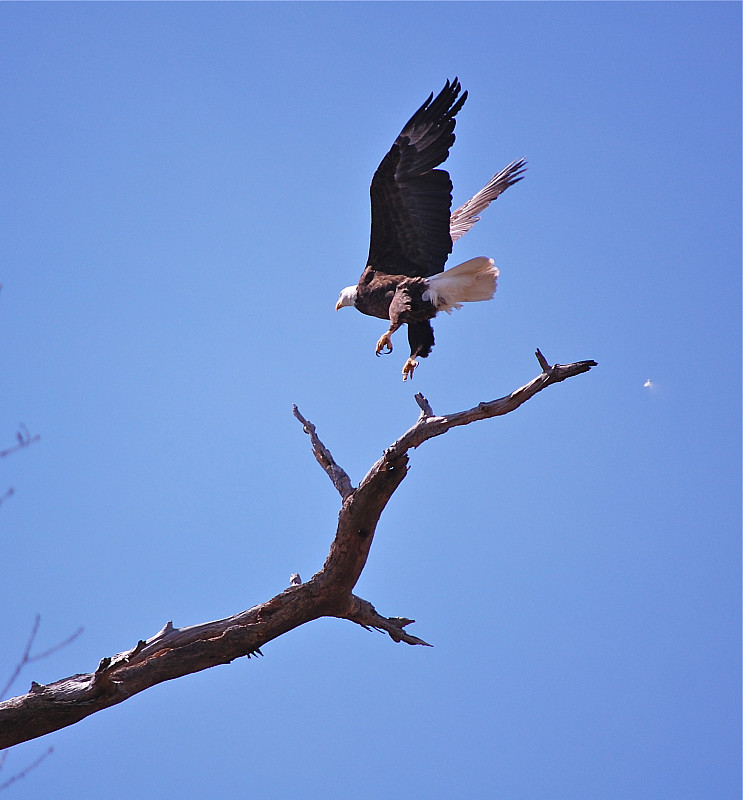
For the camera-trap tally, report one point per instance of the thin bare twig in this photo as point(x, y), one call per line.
point(27, 658)
point(23, 439)
point(23, 772)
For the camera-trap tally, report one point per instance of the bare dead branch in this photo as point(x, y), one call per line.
point(173, 652)
point(363, 613)
point(337, 475)
point(543, 363)
point(27, 658)
point(427, 427)
point(424, 405)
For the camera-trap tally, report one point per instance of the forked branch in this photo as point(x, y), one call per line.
point(173, 652)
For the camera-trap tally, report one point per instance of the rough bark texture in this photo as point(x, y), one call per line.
point(173, 652)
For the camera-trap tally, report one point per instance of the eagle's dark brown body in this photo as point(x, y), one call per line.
point(378, 294)
point(399, 299)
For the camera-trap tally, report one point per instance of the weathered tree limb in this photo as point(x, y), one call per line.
point(363, 613)
point(429, 425)
point(173, 652)
point(340, 479)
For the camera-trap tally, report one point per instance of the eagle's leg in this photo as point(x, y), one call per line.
point(409, 368)
point(385, 340)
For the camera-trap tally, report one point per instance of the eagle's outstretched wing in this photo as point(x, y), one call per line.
point(410, 199)
point(467, 214)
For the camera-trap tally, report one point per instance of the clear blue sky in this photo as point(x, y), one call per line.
point(185, 191)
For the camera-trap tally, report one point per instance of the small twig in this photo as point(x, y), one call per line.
point(8, 493)
point(24, 772)
point(24, 439)
point(71, 638)
point(337, 474)
point(27, 658)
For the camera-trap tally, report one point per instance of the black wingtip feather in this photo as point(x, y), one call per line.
point(411, 199)
point(439, 110)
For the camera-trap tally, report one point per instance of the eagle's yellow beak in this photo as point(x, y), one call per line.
point(338, 306)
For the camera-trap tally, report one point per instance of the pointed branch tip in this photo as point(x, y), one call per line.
point(424, 405)
point(337, 474)
point(543, 363)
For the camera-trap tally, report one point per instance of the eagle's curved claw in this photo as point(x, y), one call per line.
point(409, 368)
point(385, 340)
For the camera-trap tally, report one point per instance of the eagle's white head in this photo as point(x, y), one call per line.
point(347, 298)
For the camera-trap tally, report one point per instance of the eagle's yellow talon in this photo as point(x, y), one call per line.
point(384, 341)
point(409, 369)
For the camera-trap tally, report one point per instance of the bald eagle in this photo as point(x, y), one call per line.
point(412, 231)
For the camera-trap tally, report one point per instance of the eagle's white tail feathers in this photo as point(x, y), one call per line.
point(470, 282)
